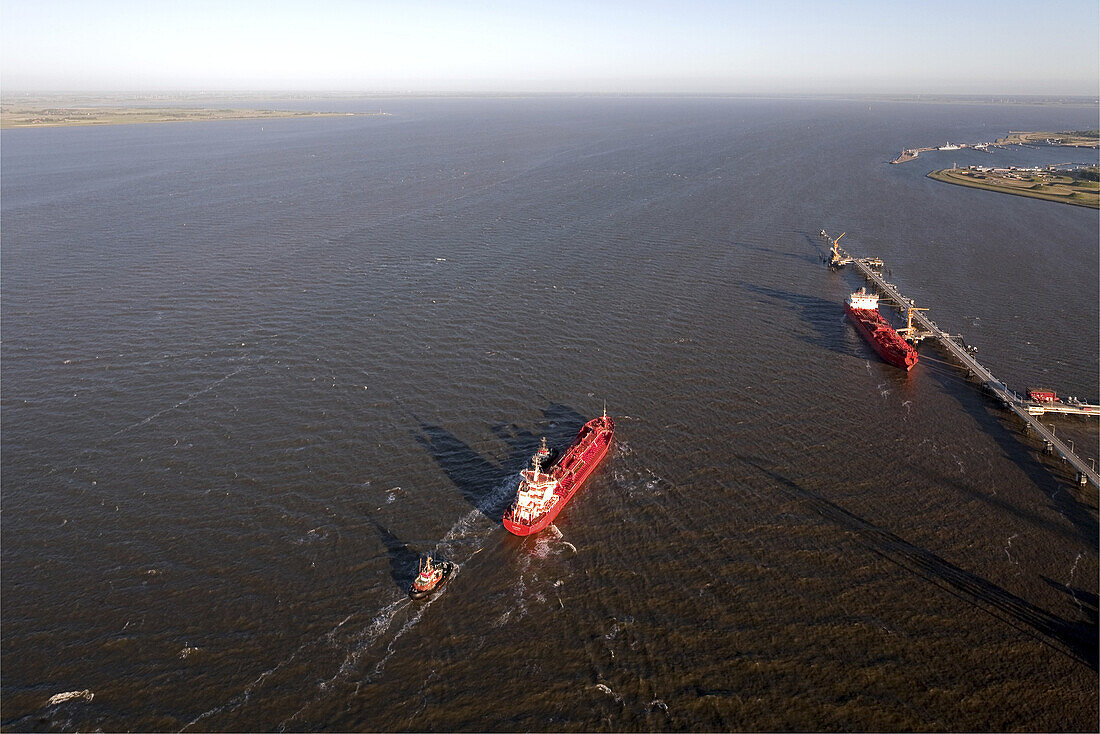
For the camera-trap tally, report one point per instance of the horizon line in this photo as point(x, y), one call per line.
point(305, 92)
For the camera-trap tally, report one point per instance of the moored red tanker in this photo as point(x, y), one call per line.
point(543, 493)
point(862, 308)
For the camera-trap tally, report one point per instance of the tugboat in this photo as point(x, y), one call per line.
point(542, 492)
point(431, 577)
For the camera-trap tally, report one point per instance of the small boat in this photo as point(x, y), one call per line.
point(432, 575)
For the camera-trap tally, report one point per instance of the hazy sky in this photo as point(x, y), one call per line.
point(1003, 47)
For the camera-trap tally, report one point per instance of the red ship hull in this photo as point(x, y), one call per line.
point(579, 460)
point(883, 338)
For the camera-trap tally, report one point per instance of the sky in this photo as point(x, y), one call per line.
point(556, 46)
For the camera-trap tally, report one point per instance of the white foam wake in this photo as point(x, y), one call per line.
point(468, 534)
point(180, 404)
point(243, 697)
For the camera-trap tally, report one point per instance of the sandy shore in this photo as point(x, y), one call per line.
point(16, 116)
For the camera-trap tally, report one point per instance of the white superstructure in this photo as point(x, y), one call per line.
point(536, 492)
point(861, 299)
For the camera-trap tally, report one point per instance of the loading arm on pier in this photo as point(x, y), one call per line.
point(838, 256)
point(910, 331)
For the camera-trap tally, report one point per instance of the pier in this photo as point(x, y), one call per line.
point(871, 270)
point(1037, 408)
point(1063, 139)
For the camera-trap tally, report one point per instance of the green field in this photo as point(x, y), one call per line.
point(1068, 138)
point(1050, 186)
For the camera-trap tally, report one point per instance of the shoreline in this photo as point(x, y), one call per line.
point(1060, 191)
point(1063, 139)
point(20, 117)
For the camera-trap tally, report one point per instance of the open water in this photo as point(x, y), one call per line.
point(252, 370)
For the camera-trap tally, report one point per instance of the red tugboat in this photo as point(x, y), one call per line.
point(862, 308)
point(543, 493)
point(430, 578)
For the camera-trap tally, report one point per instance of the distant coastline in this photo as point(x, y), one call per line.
point(25, 116)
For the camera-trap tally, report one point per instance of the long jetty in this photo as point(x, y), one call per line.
point(870, 269)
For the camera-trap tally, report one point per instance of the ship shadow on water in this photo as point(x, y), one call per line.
point(478, 477)
point(561, 424)
point(778, 252)
point(404, 562)
point(1078, 639)
point(1086, 601)
point(816, 242)
point(521, 444)
point(993, 500)
point(475, 476)
point(826, 318)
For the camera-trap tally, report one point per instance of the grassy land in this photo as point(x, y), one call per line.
point(1049, 186)
point(15, 115)
point(1079, 139)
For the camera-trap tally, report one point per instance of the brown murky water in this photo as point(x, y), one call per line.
point(250, 375)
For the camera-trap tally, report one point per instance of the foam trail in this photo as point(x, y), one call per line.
point(468, 524)
point(1008, 549)
point(608, 691)
point(244, 695)
point(473, 525)
point(1073, 593)
point(379, 625)
point(382, 623)
point(405, 628)
point(86, 695)
point(183, 402)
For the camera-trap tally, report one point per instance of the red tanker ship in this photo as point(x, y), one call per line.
point(543, 494)
point(862, 308)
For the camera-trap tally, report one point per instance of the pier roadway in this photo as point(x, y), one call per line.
point(998, 389)
point(1036, 408)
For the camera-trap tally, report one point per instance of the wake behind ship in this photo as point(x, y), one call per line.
point(862, 308)
point(543, 493)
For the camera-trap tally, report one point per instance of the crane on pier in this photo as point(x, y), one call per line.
point(838, 257)
point(910, 332)
point(836, 242)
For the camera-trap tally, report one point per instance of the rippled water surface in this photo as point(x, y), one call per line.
point(252, 370)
